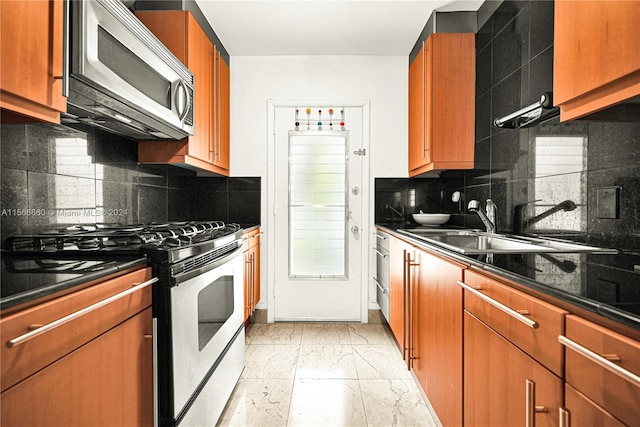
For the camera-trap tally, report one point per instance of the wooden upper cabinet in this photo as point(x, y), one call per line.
point(417, 150)
point(31, 61)
point(596, 55)
point(183, 36)
point(442, 104)
point(223, 125)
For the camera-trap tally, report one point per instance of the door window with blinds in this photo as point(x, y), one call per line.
point(318, 205)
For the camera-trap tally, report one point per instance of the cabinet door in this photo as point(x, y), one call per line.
point(251, 242)
point(223, 125)
point(182, 34)
point(502, 384)
point(201, 62)
point(397, 291)
point(596, 55)
point(436, 329)
point(31, 61)
point(256, 271)
point(417, 115)
point(108, 381)
point(247, 285)
point(582, 411)
point(442, 104)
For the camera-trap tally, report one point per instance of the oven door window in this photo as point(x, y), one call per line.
point(215, 307)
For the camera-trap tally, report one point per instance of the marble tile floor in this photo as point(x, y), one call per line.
point(324, 375)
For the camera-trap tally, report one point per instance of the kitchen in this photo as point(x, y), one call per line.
point(514, 63)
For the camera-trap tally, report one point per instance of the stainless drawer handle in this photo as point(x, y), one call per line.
point(511, 312)
point(596, 358)
point(379, 236)
point(45, 328)
point(379, 253)
point(384, 291)
point(244, 239)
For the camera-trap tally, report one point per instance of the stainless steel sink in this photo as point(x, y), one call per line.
point(474, 242)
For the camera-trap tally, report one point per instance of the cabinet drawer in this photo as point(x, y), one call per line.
point(250, 239)
point(583, 412)
point(539, 340)
point(381, 240)
point(617, 395)
point(23, 359)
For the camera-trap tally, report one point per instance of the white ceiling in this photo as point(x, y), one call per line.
point(329, 27)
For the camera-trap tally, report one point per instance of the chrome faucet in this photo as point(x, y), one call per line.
point(522, 225)
point(489, 217)
point(400, 214)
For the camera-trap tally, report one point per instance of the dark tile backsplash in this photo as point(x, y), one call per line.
point(53, 175)
point(541, 172)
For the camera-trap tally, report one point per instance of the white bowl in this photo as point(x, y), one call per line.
point(432, 220)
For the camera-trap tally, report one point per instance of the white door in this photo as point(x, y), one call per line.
point(318, 220)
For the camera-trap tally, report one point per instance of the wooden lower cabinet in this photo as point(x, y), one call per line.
point(579, 410)
point(108, 381)
point(96, 369)
point(541, 341)
point(610, 395)
point(426, 320)
point(251, 272)
point(398, 250)
point(436, 333)
point(503, 386)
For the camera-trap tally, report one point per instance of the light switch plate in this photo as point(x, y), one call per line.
point(607, 202)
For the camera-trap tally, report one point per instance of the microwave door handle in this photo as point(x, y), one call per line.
point(182, 94)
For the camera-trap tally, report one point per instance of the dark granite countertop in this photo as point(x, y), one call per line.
point(26, 279)
point(607, 285)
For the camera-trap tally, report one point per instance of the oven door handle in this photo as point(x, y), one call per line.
point(186, 275)
point(49, 326)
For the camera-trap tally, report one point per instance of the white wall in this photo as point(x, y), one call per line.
point(382, 80)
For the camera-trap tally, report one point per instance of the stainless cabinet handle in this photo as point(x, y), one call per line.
point(49, 326)
point(425, 94)
point(377, 236)
point(380, 253)
point(384, 291)
point(565, 420)
point(405, 344)
point(531, 408)
point(603, 362)
point(408, 330)
point(65, 48)
point(511, 312)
